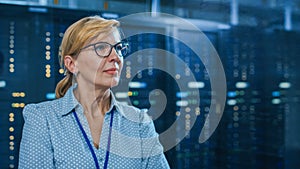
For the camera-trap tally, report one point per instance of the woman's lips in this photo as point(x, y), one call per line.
point(111, 71)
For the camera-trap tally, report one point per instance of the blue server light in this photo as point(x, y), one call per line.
point(137, 84)
point(2, 83)
point(50, 96)
point(231, 94)
point(182, 94)
point(275, 93)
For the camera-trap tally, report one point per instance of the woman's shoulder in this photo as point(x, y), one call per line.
point(40, 108)
point(127, 107)
point(134, 113)
point(43, 104)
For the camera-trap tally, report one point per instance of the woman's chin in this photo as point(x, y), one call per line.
point(108, 84)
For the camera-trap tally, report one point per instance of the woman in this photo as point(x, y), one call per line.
point(86, 127)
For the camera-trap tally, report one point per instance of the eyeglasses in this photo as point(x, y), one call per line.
point(103, 49)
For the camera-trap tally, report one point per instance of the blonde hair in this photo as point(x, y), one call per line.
point(75, 37)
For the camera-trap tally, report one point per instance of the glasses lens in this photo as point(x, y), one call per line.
point(103, 49)
point(122, 48)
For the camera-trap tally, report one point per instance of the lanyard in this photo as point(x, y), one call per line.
point(89, 144)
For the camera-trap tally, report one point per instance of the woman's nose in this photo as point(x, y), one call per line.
point(114, 56)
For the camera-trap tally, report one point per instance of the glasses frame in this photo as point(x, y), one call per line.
point(111, 47)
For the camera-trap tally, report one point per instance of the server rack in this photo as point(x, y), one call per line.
point(259, 124)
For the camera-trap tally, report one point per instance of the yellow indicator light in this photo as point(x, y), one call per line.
point(17, 105)
point(61, 71)
point(187, 116)
point(11, 129)
point(11, 137)
point(18, 94)
point(11, 143)
point(22, 94)
point(187, 109)
point(197, 111)
point(11, 157)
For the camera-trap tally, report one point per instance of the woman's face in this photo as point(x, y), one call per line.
point(97, 71)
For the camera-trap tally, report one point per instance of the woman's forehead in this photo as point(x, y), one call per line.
point(110, 37)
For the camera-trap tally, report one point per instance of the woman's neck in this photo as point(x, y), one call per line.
point(95, 102)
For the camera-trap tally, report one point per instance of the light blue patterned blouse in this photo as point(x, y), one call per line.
point(52, 138)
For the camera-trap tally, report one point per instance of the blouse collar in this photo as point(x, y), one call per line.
point(70, 102)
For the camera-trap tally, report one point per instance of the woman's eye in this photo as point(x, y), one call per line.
point(101, 47)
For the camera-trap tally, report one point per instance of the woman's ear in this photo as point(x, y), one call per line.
point(70, 65)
